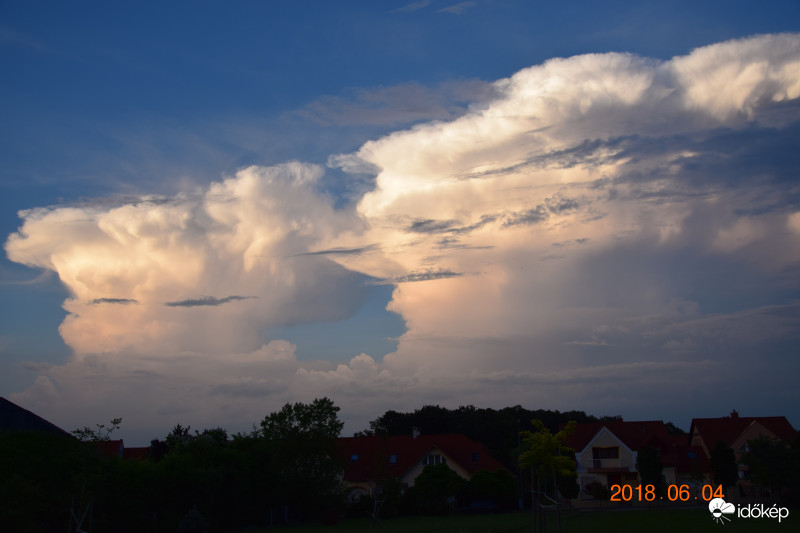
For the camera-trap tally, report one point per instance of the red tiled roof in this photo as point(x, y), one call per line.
point(727, 429)
point(374, 454)
point(633, 434)
point(675, 450)
point(139, 454)
point(110, 448)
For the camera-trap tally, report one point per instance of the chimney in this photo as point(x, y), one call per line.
point(415, 432)
point(734, 414)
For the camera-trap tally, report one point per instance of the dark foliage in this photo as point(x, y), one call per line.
point(43, 475)
point(435, 491)
point(672, 429)
point(497, 429)
point(723, 465)
point(774, 467)
point(192, 481)
point(650, 467)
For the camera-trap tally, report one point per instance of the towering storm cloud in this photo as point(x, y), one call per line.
point(607, 231)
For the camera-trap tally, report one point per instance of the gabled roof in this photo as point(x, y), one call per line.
point(728, 428)
point(675, 449)
point(634, 435)
point(15, 418)
point(374, 454)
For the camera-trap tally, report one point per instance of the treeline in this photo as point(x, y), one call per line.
point(287, 469)
point(497, 429)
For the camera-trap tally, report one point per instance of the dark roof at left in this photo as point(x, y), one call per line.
point(15, 418)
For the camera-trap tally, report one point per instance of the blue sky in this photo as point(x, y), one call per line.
point(611, 232)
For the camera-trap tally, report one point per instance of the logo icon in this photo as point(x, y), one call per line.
point(719, 508)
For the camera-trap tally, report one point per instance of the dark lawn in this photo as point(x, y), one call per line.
point(611, 521)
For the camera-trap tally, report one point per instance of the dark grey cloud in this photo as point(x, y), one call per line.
point(455, 243)
point(531, 216)
point(122, 301)
point(559, 204)
point(426, 275)
point(207, 301)
point(588, 153)
point(344, 251)
point(431, 226)
point(448, 226)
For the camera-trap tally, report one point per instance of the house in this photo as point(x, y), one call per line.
point(116, 448)
point(15, 418)
point(735, 431)
point(371, 460)
point(606, 453)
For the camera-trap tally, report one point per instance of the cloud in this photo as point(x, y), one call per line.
point(207, 300)
point(457, 9)
point(397, 104)
point(344, 251)
point(242, 236)
point(426, 276)
point(121, 301)
point(603, 233)
point(413, 6)
point(11, 36)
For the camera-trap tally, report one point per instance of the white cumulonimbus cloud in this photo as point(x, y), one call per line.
point(607, 228)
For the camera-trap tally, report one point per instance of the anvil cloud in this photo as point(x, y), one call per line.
point(605, 232)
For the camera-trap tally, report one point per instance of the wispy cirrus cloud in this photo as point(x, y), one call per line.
point(457, 9)
point(413, 6)
point(397, 104)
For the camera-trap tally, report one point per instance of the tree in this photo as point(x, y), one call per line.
point(547, 455)
point(301, 443)
point(499, 487)
point(436, 488)
point(723, 465)
point(772, 465)
point(318, 420)
point(101, 434)
point(650, 467)
point(672, 429)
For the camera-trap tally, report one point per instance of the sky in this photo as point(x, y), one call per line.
point(209, 210)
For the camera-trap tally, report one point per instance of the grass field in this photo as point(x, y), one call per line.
point(611, 521)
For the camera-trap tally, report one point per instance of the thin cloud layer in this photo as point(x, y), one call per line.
point(609, 233)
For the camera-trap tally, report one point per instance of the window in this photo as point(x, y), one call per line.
point(611, 452)
point(393, 459)
point(433, 459)
point(354, 458)
point(475, 457)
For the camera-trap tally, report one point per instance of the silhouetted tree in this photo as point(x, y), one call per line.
point(772, 465)
point(101, 433)
point(301, 440)
point(548, 457)
point(672, 429)
point(723, 465)
point(650, 468)
point(436, 488)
